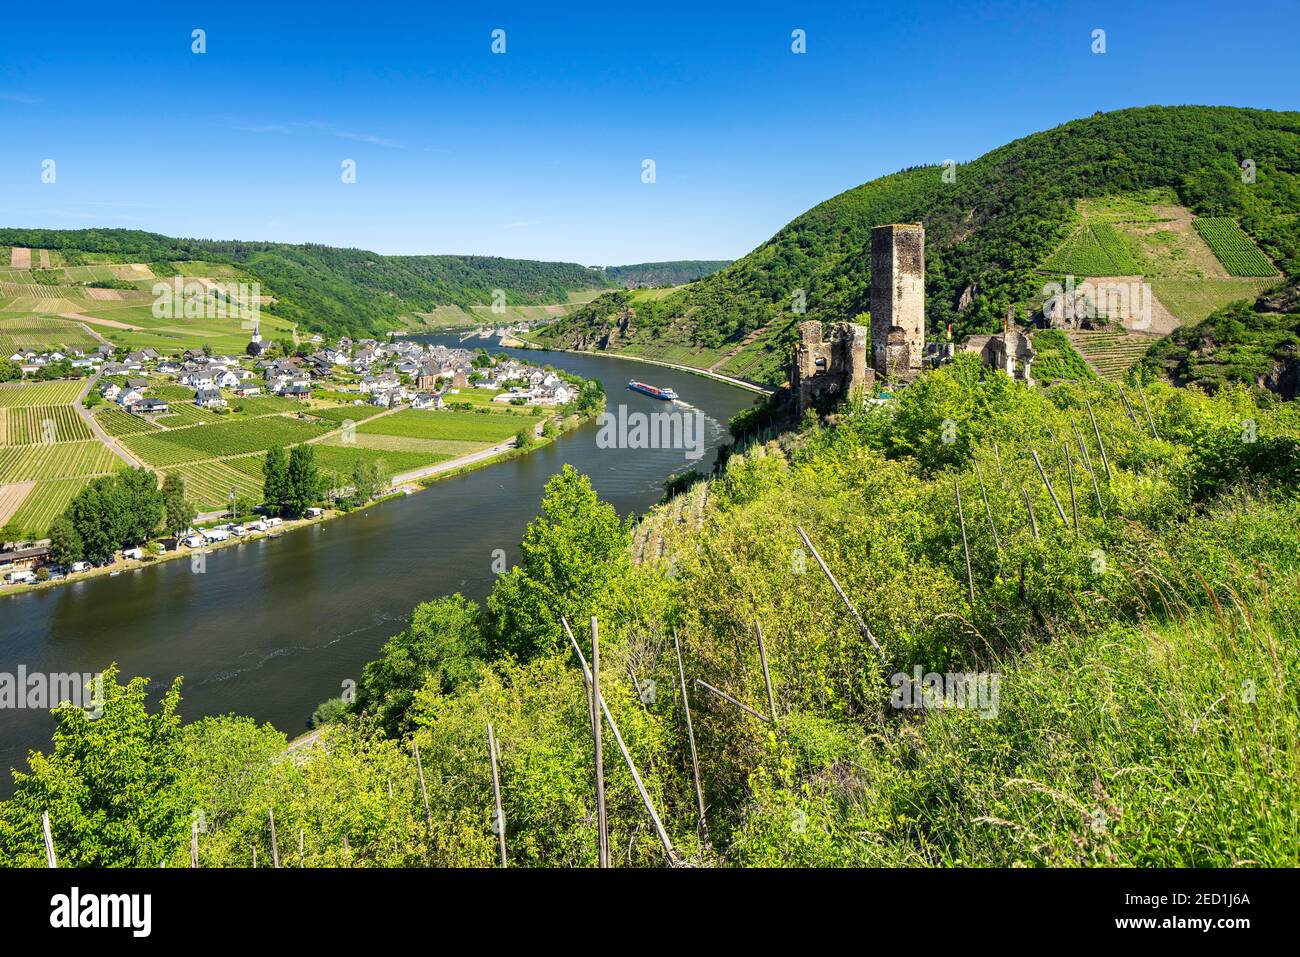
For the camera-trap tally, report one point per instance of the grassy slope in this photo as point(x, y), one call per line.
point(327, 289)
point(988, 230)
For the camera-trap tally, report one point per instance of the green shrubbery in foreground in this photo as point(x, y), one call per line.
point(1147, 666)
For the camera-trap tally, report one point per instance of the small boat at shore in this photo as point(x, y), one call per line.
point(652, 391)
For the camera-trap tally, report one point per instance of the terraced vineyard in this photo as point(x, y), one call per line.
point(1230, 244)
point(24, 463)
point(1111, 353)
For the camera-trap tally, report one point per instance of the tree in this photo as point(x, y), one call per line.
point(571, 553)
point(368, 479)
point(525, 437)
point(141, 501)
point(66, 546)
point(275, 475)
point(114, 511)
point(10, 534)
point(443, 643)
point(114, 785)
point(303, 481)
point(178, 510)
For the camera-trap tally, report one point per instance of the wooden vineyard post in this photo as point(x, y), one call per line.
point(988, 510)
point(1029, 506)
point(1050, 491)
point(1100, 445)
point(767, 676)
point(424, 794)
point(275, 847)
point(965, 547)
point(862, 625)
point(662, 834)
point(500, 822)
point(602, 834)
point(690, 736)
point(1074, 504)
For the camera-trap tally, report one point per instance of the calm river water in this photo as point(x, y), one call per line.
point(274, 627)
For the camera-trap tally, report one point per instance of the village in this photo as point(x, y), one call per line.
point(210, 417)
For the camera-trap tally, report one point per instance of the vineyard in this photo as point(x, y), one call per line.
point(1098, 249)
point(40, 333)
point(177, 446)
point(44, 504)
point(117, 422)
point(57, 392)
point(55, 460)
point(1230, 244)
point(208, 484)
point(32, 424)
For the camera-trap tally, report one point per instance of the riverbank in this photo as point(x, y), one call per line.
point(704, 373)
point(403, 484)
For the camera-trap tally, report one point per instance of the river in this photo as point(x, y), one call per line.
point(272, 628)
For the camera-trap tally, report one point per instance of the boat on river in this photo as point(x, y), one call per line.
point(653, 391)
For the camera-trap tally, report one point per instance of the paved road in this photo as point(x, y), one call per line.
point(88, 417)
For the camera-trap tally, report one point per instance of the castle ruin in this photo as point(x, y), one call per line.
point(898, 300)
point(828, 370)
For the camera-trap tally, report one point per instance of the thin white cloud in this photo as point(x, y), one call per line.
point(21, 98)
point(328, 129)
point(522, 223)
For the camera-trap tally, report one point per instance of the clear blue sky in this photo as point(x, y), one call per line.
point(537, 153)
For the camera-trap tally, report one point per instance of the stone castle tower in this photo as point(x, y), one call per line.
point(897, 299)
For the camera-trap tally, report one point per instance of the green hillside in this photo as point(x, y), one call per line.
point(323, 288)
point(1257, 343)
point(664, 274)
point(989, 232)
point(1109, 683)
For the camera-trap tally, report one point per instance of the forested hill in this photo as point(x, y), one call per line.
point(327, 289)
point(643, 275)
point(990, 225)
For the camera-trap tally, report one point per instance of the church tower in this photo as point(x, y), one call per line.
point(255, 344)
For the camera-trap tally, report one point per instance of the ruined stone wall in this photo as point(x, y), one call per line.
point(898, 299)
point(828, 370)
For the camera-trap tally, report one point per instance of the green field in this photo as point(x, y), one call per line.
point(58, 392)
point(347, 413)
point(1230, 244)
point(1191, 300)
point(458, 426)
point(177, 446)
point(340, 458)
point(26, 463)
